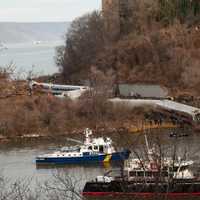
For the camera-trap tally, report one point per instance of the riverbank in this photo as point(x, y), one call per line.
point(42, 115)
point(39, 115)
point(128, 129)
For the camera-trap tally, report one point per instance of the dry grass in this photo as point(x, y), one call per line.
point(49, 115)
point(21, 114)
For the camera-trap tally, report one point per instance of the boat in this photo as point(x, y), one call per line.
point(143, 180)
point(92, 150)
point(154, 158)
point(37, 42)
point(175, 134)
point(2, 47)
point(140, 189)
point(141, 177)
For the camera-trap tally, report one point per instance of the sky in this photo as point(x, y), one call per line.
point(45, 10)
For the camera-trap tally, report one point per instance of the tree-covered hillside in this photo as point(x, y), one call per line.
point(163, 46)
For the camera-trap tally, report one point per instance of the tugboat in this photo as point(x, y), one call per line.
point(93, 150)
point(145, 180)
point(140, 177)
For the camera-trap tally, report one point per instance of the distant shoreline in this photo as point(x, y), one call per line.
point(17, 32)
point(38, 58)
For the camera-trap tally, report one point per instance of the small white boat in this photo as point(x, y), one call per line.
point(2, 47)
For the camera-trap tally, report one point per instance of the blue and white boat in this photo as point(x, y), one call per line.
point(93, 150)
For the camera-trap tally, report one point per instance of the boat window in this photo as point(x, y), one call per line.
point(86, 153)
point(148, 174)
point(95, 147)
point(141, 173)
point(132, 173)
point(164, 174)
point(69, 154)
point(90, 147)
point(165, 168)
point(101, 148)
point(155, 174)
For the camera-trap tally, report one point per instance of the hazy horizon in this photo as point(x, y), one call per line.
point(19, 32)
point(33, 22)
point(33, 11)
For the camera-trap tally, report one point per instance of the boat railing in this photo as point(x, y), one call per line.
point(70, 149)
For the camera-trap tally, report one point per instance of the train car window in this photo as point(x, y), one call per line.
point(197, 117)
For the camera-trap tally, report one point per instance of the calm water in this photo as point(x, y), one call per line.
point(28, 56)
point(19, 163)
point(18, 160)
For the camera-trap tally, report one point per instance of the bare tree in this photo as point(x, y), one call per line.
point(84, 40)
point(60, 187)
point(63, 186)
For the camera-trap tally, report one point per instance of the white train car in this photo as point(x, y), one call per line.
point(71, 91)
point(187, 114)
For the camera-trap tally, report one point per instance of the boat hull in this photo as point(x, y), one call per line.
point(124, 188)
point(103, 158)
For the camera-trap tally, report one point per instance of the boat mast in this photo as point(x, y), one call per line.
point(87, 134)
point(147, 144)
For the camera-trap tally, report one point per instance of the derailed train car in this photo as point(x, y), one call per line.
point(178, 113)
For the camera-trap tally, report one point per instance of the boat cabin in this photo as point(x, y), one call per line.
point(99, 145)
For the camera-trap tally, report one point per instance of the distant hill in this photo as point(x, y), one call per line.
point(29, 32)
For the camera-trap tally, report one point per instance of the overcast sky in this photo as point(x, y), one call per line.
point(45, 10)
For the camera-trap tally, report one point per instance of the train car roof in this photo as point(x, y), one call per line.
point(166, 104)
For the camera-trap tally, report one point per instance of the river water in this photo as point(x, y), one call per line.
point(17, 160)
point(39, 58)
point(18, 163)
